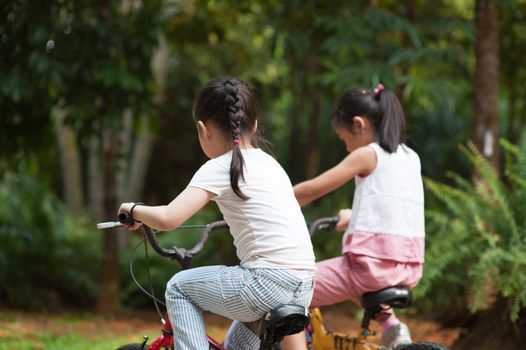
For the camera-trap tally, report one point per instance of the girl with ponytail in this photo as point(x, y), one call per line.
point(257, 201)
point(383, 244)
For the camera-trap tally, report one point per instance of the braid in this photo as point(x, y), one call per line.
point(230, 103)
point(235, 113)
point(234, 108)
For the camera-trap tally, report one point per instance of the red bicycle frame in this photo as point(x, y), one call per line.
point(166, 339)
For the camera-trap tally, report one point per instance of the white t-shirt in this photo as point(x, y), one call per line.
point(269, 229)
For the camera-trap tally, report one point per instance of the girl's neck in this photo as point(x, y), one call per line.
point(245, 143)
point(227, 146)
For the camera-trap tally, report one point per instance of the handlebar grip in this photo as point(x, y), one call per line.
point(333, 221)
point(126, 219)
point(327, 223)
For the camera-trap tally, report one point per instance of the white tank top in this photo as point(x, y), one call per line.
point(388, 208)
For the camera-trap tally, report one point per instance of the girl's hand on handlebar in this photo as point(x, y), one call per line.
point(345, 218)
point(126, 208)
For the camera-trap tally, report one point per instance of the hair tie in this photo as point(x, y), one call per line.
point(378, 90)
point(236, 141)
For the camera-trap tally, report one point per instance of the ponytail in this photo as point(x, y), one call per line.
point(381, 107)
point(391, 129)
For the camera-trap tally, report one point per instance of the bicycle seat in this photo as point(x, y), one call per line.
point(396, 297)
point(277, 323)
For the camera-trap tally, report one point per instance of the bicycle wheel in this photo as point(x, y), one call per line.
point(422, 346)
point(133, 346)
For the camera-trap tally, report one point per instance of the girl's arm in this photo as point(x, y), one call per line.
point(169, 217)
point(361, 161)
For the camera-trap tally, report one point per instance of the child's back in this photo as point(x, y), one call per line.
point(268, 227)
point(257, 201)
point(387, 219)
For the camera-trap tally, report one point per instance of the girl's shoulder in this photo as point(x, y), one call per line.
point(251, 157)
point(362, 161)
point(219, 164)
point(402, 149)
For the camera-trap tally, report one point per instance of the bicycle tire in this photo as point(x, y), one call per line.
point(133, 346)
point(422, 346)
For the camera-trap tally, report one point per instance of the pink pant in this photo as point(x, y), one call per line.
point(349, 276)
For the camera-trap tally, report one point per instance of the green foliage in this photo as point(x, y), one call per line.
point(47, 258)
point(477, 237)
point(512, 36)
point(91, 59)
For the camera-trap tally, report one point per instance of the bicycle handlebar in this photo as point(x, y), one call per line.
point(184, 256)
point(181, 255)
point(327, 223)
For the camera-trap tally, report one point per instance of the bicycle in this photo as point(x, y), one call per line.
point(372, 302)
point(275, 324)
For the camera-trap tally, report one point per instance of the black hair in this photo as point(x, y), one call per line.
point(381, 107)
point(230, 104)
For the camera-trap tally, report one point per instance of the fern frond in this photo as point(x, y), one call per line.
point(514, 163)
point(482, 226)
point(485, 279)
point(490, 187)
point(454, 199)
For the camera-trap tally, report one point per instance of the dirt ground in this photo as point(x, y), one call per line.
point(336, 319)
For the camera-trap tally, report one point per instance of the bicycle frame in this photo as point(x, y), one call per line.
point(165, 340)
point(184, 258)
point(322, 339)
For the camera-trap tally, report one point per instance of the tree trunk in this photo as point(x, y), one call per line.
point(140, 159)
point(122, 171)
point(295, 158)
point(486, 126)
point(409, 13)
point(313, 147)
point(124, 183)
point(95, 180)
point(109, 299)
point(125, 143)
point(295, 155)
point(70, 159)
point(143, 144)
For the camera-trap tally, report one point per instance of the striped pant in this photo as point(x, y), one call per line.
point(241, 294)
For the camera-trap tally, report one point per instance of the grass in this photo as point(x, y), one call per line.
point(49, 341)
point(26, 331)
point(81, 331)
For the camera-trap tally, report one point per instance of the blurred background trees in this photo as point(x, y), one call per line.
point(96, 104)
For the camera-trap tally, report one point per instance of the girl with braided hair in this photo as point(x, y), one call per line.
point(257, 201)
